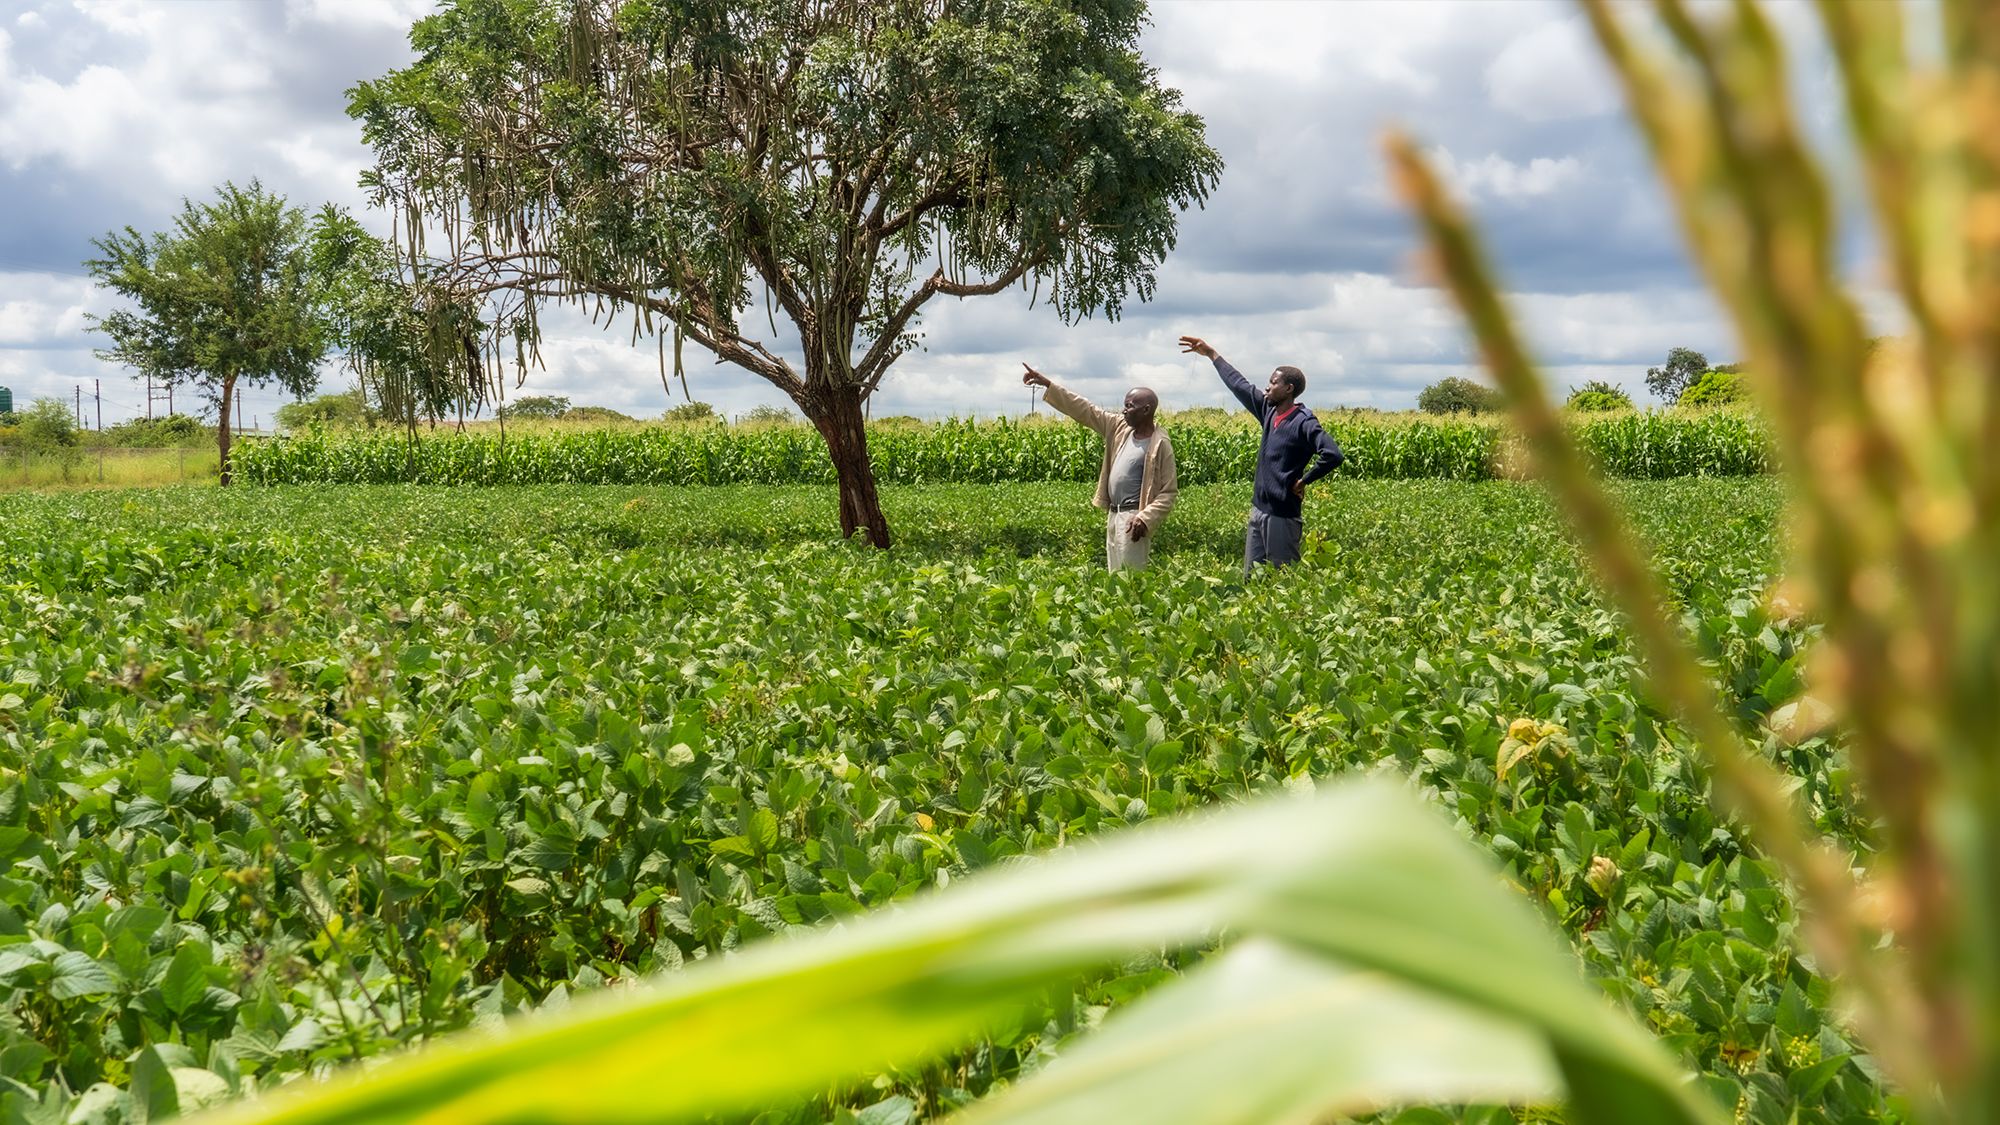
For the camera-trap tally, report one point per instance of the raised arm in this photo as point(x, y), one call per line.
point(1070, 403)
point(1251, 398)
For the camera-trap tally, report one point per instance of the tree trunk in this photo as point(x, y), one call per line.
point(837, 416)
point(222, 432)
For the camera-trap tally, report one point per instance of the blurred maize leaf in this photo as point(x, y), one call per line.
point(1891, 458)
point(1381, 961)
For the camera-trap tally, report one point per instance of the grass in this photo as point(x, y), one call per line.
point(107, 467)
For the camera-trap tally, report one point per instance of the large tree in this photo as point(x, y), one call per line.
point(1684, 368)
point(838, 162)
point(224, 298)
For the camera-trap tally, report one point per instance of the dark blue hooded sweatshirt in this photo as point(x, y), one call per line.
point(1291, 439)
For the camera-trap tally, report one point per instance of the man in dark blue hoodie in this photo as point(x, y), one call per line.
point(1294, 453)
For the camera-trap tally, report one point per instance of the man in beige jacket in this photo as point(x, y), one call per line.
point(1136, 483)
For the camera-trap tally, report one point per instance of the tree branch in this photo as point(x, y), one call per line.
point(884, 351)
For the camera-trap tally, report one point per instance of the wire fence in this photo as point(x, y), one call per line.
point(109, 466)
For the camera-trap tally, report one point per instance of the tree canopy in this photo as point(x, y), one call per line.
point(225, 297)
point(1453, 395)
point(1597, 396)
point(839, 163)
point(1683, 367)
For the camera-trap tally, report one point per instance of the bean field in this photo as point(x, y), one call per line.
point(298, 776)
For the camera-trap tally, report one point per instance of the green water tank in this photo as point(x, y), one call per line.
point(6, 401)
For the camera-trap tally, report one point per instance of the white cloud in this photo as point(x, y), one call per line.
point(1552, 73)
point(110, 112)
point(42, 310)
point(1496, 177)
point(396, 15)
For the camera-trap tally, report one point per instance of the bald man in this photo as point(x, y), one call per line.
point(1136, 484)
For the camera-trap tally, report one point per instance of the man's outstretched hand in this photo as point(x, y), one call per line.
point(1198, 346)
point(1032, 377)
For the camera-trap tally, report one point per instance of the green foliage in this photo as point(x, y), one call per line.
point(408, 334)
point(48, 425)
point(1631, 445)
point(1453, 395)
point(536, 408)
point(1597, 396)
point(690, 412)
point(350, 409)
point(525, 742)
point(596, 415)
point(1716, 388)
point(225, 298)
point(764, 414)
point(168, 431)
point(866, 159)
point(1683, 368)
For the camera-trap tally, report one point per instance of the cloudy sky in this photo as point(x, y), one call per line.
point(111, 112)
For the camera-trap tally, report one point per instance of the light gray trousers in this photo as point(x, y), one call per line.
point(1271, 539)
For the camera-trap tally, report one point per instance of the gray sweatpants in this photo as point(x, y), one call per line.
point(1271, 539)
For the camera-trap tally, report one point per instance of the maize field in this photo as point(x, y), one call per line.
point(1637, 445)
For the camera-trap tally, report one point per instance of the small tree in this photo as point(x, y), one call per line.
point(690, 412)
point(1598, 395)
point(178, 430)
point(349, 408)
point(48, 429)
point(538, 408)
point(709, 167)
point(225, 298)
point(764, 414)
point(1453, 395)
point(1683, 367)
point(597, 415)
point(1715, 388)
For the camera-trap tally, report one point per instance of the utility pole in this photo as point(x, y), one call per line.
point(79, 406)
point(100, 405)
point(158, 394)
point(239, 412)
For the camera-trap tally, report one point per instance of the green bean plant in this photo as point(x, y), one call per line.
point(1889, 455)
point(1364, 955)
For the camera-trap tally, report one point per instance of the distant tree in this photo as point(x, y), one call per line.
point(348, 409)
point(1737, 368)
point(48, 429)
point(838, 164)
point(767, 415)
point(1683, 367)
point(1715, 388)
point(601, 415)
point(48, 425)
point(690, 412)
point(225, 298)
point(536, 408)
point(1453, 395)
point(1598, 395)
point(153, 433)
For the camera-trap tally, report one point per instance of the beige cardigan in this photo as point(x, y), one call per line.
point(1159, 486)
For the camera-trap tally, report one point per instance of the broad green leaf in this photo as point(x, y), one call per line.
point(77, 974)
point(1320, 1039)
point(186, 981)
point(1362, 875)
